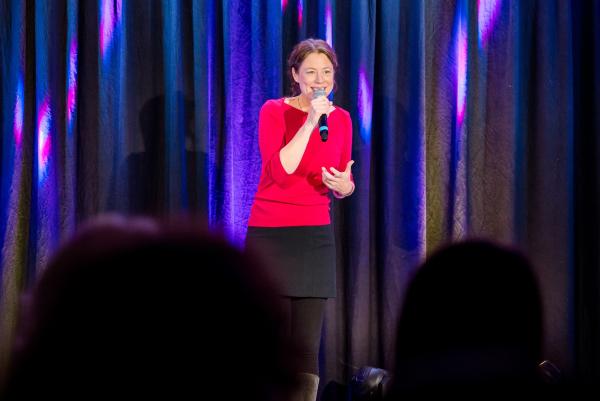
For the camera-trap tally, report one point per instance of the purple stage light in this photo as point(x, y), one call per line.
point(119, 4)
point(106, 24)
point(283, 5)
point(18, 114)
point(300, 12)
point(461, 70)
point(328, 24)
point(365, 104)
point(44, 119)
point(487, 14)
point(72, 88)
point(110, 17)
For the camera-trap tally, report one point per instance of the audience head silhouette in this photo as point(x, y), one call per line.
point(472, 318)
point(137, 308)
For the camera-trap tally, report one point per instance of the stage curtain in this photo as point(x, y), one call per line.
point(472, 118)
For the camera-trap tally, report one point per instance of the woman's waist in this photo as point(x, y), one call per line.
point(276, 213)
point(273, 194)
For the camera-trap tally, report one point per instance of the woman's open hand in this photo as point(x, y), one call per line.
point(339, 181)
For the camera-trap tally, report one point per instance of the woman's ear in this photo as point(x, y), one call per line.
point(295, 75)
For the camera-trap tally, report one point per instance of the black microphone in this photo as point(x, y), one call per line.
point(323, 129)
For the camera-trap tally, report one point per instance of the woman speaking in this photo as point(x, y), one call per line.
point(303, 160)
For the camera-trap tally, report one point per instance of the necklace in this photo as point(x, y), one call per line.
point(299, 104)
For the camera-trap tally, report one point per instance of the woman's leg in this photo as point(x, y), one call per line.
point(306, 323)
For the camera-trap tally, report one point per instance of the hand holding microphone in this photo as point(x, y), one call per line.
point(320, 107)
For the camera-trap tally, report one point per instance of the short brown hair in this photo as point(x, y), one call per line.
point(299, 54)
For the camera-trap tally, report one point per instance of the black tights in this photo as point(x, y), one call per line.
point(304, 323)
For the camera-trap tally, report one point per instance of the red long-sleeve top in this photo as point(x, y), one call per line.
point(299, 198)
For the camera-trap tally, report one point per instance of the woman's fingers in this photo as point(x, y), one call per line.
point(328, 183)
point(321, 105)
point(326, 174)
point(334, 182)
point(349, 166)
point(328, 178)
point(336, 173)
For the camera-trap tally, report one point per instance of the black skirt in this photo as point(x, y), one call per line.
point(302, 258)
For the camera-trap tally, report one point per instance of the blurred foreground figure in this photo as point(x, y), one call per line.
point(137, 309)
point(471, 325)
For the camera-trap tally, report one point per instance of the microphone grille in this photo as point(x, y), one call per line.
point(318, 92)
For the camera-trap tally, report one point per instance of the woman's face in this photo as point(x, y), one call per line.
point(316, 71)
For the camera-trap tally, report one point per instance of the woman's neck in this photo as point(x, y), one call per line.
point(302, 103)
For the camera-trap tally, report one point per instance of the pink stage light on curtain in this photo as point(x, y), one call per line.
point(283, 5)
point(72, 88)
point(487, 14)
point(328, 24)
point(365, 104)
point(300, 12)
point(461, 70)
point(43, 134)
point(110, 17)
point(18, 114)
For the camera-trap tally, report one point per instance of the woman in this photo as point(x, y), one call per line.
point(290, 218)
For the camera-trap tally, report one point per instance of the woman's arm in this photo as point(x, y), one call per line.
point(291, 154)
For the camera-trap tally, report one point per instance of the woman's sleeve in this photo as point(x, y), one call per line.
point(271, 133)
